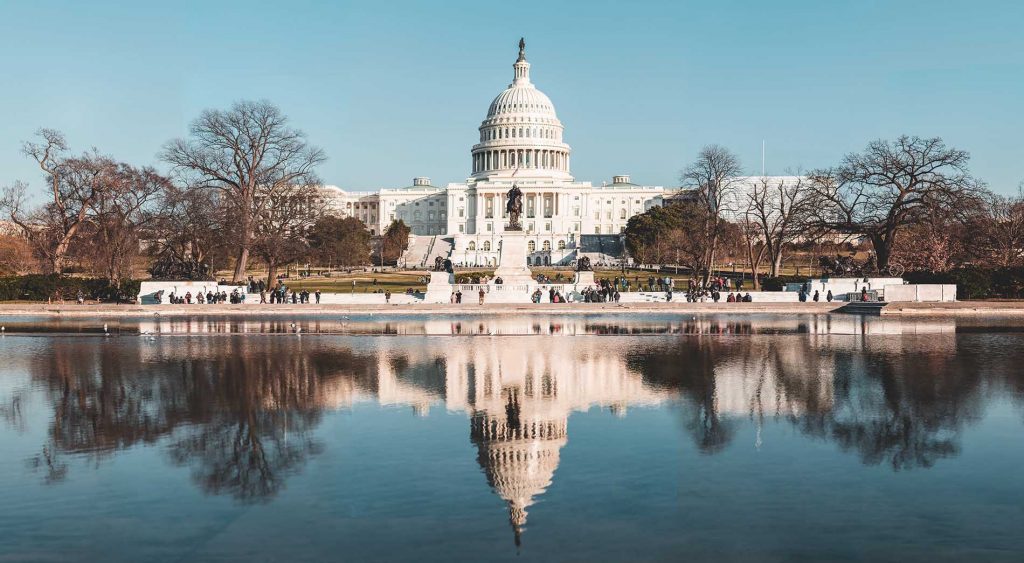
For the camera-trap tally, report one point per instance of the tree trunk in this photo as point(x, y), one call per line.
point(240, 263)
point(883, 250)
point(271, 274)
point(776, 262)
point(243, 251)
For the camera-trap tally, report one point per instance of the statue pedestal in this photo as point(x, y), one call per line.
point(439, 289)
point(512, 268)
point(584, 279)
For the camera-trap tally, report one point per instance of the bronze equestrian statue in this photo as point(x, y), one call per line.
point(514, 208)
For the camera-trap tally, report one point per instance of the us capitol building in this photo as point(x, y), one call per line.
point(521, 142)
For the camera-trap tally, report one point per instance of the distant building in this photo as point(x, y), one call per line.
point(521, 142)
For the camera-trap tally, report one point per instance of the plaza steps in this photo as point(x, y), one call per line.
point(439, 247)
point(416, 253)
point(423, 250)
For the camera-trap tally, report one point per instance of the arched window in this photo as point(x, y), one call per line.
point(531, 246)
point(547, 246)
point(487, 246)
point(472, 245)
point(561, 245)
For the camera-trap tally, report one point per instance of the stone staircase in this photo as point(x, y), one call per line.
point(423, 250)
point(439, 247)
point(416, 252)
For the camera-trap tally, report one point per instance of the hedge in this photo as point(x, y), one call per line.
point(38, 287)
point(971, 282)
point(977, 283)
point(778, 283)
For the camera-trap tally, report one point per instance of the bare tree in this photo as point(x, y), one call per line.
point(248, 153)
point(890, 185)
point(120, 214)
point(756, 248)
point(284, 224)
point(714, 177)
point(999, 230)
point(75, 186)
point(777, 209)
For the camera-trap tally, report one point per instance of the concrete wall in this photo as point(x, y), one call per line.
point(921, 292)
point(148, 289)
point(841, 286)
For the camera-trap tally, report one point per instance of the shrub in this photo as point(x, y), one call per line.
point(38, 287)
point(973, 282)
point(778, 283)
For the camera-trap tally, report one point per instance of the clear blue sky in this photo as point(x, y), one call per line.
point(392, 90)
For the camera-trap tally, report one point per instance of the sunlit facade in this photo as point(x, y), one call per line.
point(520, 142)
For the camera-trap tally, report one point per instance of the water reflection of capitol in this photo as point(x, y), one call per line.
point(518, 393)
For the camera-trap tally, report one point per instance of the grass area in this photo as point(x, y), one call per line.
point(398, 282)
point(366, 282)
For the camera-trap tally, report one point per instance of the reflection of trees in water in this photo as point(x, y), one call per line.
point(690, 370)
point(240, 411)
point(897, 400)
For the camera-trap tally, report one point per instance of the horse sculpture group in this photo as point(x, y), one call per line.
point(847, 266)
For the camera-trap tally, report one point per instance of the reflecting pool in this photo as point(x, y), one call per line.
point(572, 437)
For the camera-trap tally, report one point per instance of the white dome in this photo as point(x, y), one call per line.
point(521, 134)
point(519, 99)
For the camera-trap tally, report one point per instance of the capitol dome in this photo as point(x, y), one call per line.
point(521, 134)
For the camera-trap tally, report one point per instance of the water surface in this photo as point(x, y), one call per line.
point(578, 437)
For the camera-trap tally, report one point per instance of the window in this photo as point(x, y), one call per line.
point(472, 245)
point(487, 246)
point(622, 213)
point(489, 227)
point(430, 215)
point(416, 215)
point(462, 228)
point(461, 211)
point(575, 211)
point(576, 227)
point(547, 227)
point(547, 246)
point(561, 245)
point(597, 229)
point(597, 215)
point(531, 246)
point(607, 214)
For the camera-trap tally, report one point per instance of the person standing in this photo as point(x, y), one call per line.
point(481, 296)
point(817, 296)
point(387, 297)
point(317, 294)
point(458, 296)
point(828, 296)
